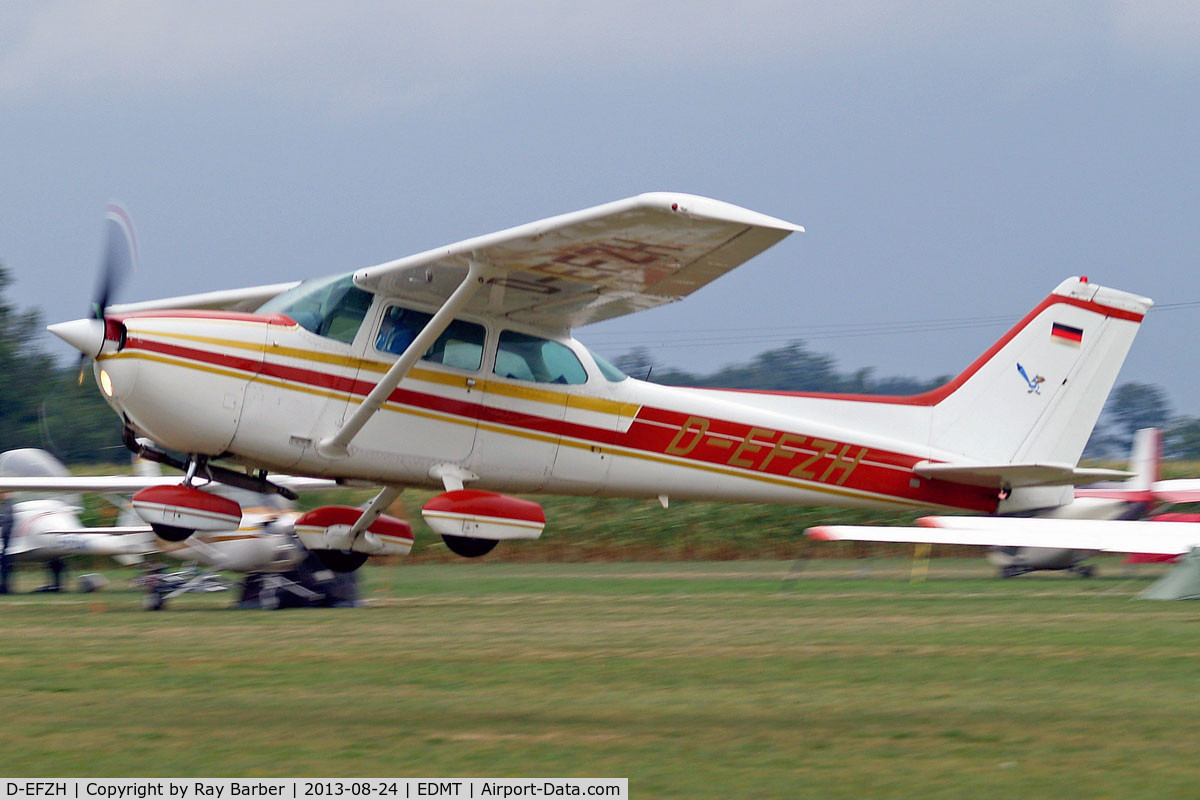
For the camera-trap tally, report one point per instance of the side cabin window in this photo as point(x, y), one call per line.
point(330, 307)
point(460, 345)
point(532, 358)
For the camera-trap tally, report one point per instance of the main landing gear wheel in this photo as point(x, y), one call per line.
point(341, 560)
point(171, 533)
point(469, 546)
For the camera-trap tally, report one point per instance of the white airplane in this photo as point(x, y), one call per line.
point(1102, 518)
point(47, 529)
point(1135, 498)
point(455, 368)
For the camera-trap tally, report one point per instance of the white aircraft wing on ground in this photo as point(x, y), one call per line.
point(133, 483)
point(1116, 536)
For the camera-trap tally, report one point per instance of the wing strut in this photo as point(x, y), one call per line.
point(336, 446)
point(387, 495)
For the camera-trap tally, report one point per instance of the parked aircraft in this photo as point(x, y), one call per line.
point(1133, 499)
point(1091, 519)
point(47, 529)
point(455, 368)
point(263, 542)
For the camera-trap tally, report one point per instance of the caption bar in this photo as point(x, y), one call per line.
point(304, 789)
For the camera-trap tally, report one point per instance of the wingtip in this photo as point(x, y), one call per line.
point(822, 533)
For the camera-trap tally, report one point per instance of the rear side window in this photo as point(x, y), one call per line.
point(460, 345)
point(532, 358)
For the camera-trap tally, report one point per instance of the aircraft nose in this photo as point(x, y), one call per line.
point(85, 335)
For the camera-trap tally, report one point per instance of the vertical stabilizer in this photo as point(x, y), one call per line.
point(1035, 396)
point(1144, 460)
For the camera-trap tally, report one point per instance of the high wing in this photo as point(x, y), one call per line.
point(1117, 536)
point(590, 265)
point(133, 483)
point(561, 272)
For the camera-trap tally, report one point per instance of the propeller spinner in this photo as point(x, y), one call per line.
point(119, 256)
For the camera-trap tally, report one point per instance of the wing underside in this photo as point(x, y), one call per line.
point(564, 271)
point(590, 265)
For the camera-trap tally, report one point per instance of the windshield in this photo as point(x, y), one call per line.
point(606, 368)
point(331, 307)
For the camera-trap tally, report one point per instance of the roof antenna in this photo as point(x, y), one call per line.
point(649, 369)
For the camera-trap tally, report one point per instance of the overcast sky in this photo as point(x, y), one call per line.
point(952, 162)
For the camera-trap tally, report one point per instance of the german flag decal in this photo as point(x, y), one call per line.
point(1066, 334)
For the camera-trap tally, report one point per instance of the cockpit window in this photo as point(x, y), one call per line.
point(532, 358)
point(331, 307)
point(460, 345)
point(606, 368)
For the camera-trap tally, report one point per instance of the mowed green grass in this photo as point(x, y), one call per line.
point(694, 680)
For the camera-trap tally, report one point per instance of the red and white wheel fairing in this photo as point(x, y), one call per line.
point(328, 528)
point(186, 508)
point(484, 515)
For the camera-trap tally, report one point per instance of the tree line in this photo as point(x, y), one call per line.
point(44, 404)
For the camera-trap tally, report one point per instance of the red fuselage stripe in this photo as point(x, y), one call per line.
point(660, 432)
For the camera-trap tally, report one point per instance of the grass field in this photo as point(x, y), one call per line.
point(694, 680)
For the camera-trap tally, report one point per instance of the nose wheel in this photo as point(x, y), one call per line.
point(171, 533)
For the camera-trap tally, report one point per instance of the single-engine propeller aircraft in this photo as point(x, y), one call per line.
point(456, 368)
point(46, 527)
point(1113, 517)
point(1132, 499)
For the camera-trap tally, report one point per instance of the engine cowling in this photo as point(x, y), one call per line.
point(176, 512)
point(476, 514)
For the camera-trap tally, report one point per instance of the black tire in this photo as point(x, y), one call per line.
point(341, 560)
point(469, 546)
point(170, 532)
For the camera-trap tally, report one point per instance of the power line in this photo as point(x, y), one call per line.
point(703, 337)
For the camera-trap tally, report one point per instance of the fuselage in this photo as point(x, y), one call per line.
point(47, 528)
point(255, 546)
point(521, 410)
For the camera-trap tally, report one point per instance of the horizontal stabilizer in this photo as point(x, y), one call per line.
point(1183, 490)
point(1014, 476)
point(1116, 536)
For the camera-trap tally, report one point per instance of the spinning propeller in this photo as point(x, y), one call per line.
point(119, 256)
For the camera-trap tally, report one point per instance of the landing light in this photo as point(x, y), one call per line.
point(106, 384)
